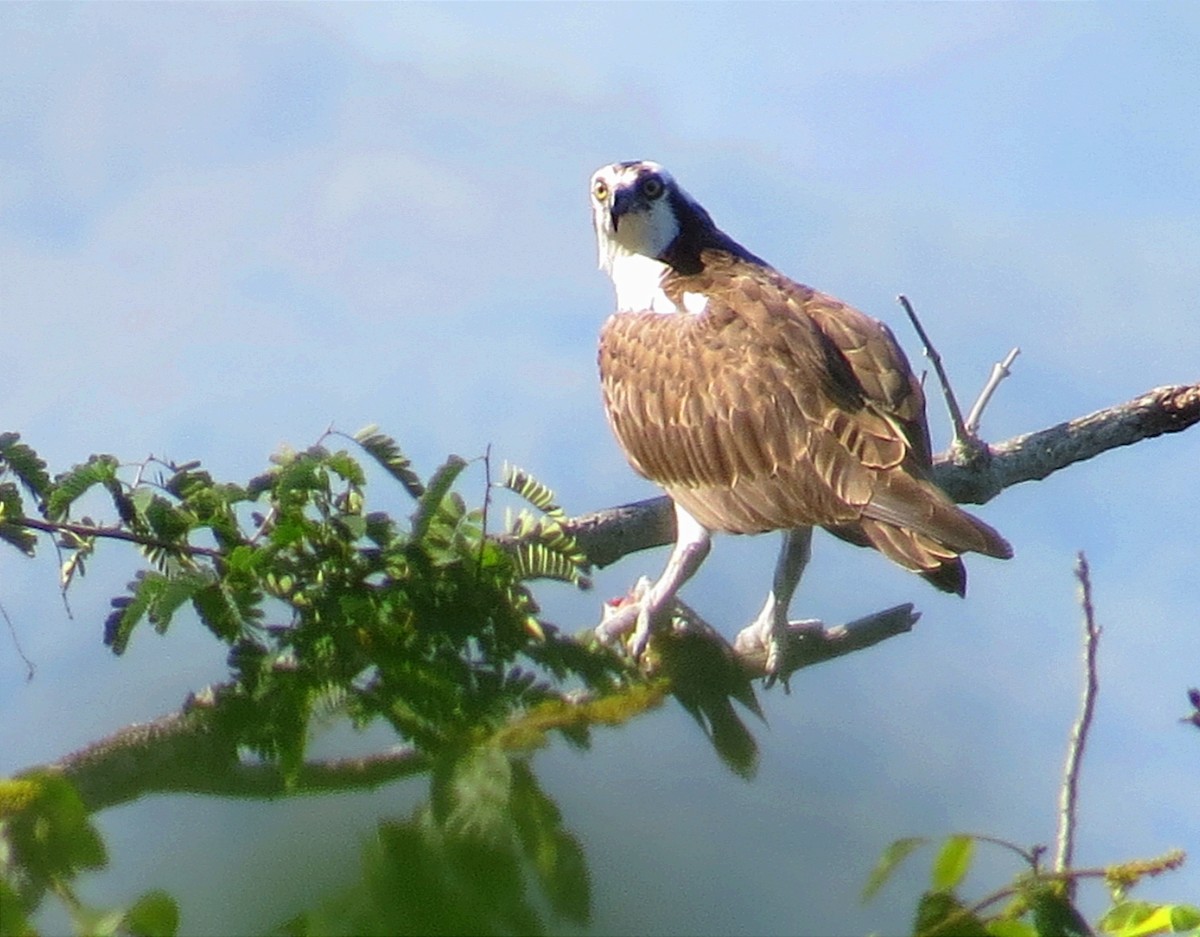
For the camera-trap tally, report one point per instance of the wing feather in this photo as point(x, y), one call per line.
point(779, 407)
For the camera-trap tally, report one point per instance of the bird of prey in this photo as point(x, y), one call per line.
point(759, 404)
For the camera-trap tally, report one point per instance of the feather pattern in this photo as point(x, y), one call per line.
point(777, 407)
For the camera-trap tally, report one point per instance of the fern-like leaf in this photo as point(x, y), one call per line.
point(431, 499)
point(11, 512)
point(521, 483)
point(219, 611)
point(128, 610)
point(383, 449)
point(542, 549)
point(181, 586)
point(26, 464)
point(70, 486)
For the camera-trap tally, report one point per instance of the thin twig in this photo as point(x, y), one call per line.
point(961, 435)
point(1000, 370)
point(30, 669)
point(1069, 796)
point(115, 533)
point(487, 503)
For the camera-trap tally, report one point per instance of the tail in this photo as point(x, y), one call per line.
point(913, 523)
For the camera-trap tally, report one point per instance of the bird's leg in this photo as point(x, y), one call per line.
point(692, 541)
point(770, 628)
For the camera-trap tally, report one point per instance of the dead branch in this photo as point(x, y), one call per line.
point(1068, 801)
point(962, 436)
point(811, 642)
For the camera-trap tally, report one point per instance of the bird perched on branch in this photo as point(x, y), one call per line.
point(759, 404)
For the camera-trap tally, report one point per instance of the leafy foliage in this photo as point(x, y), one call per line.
point(49, 840)
point(19, 459)
point(424, 622)
point(541, 547)
point(1037, 903)
point(465, 863)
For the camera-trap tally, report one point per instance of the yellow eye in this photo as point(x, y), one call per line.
point(652, 187)
point(600, 190)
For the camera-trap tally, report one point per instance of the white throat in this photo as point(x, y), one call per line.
point(638, 281)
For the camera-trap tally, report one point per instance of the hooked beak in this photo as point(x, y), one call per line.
point(623, 201)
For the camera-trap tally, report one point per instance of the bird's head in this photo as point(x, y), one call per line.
point(639, 209)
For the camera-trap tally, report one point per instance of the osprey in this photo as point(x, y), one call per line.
point(759, 404)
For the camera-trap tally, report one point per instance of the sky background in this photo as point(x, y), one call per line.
point(224, 228)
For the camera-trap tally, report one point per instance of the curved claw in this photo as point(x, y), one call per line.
point(641, 634)
point(776, 655)
point(636, 614)
point(618, 621)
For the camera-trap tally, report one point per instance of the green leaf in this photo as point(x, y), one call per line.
point(19, 537)
point(1185, 917)
point(522, 483)
point(180, 586)
point(542, 549)
point(70, 486)
point(1054, 915)
point(471, 793)
point(52, 837)
point(128, 610)
point(155, 914)
point(1142, 919)
point(383, 449)
point(940, 914)
point(952, 862)
point(430, 501)
point(26, 464)
point(895, 854)
point(558, 858)
point(345, 467)
point(1009, 927)
point(166, 520)
point(218, 609)
point(11, 512)
point(13, 912)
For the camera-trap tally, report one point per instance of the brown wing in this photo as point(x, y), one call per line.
point(878, 364)
point(753, 417)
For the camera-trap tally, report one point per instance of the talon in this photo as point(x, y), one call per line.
point(632, 613)
point(617, 620)
point(641, 634)
point(776, 659)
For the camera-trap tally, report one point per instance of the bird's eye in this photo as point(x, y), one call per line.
point(652, 187)
point(600, 190)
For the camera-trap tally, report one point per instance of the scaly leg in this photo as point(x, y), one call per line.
point(692, 542)
point(770, 628)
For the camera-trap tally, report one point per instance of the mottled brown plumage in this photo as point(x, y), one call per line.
point(779, 407)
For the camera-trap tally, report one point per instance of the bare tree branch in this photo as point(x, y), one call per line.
point(811, 642)
point(1000, 370)
point(1069, 795)
point(606, 536)
point(962, 435)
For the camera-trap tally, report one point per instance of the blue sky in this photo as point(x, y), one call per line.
point(225, 227)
